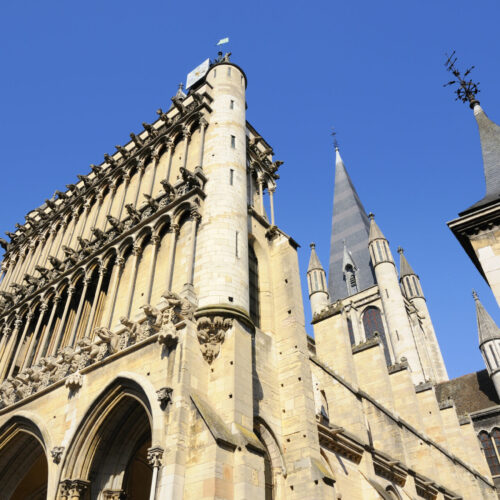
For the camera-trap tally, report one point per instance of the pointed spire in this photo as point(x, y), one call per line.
point(314, 262)
point(487, 328)
point(375, 232)
point(404, 267)
point(489, 133)
point(350, 225)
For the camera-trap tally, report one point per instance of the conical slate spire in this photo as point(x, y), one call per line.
point(375, 232)
point(487, 328)
point(350, 225)
point(314, 262)
point(404, 267)
point(489, 133)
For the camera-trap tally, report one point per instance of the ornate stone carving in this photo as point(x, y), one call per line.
point(115, 223)
point(168, 333)
point(74, 381)
point(56, 453)
point(164, 396)
point(211, 334)
point(155, 454)
point(183, 308)
point(134, 214)
point(108, 338)
point(113, 495)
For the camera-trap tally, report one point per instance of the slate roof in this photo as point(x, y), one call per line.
point(350, 226)
point(471, 392)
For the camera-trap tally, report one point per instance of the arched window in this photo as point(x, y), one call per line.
point(372, 323)
point(253, 274)
point(490, 452)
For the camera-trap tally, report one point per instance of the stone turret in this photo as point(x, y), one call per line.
point(316, 282)
point(223, 236)
point(400, 332)
point(489, 342)
point(412, 289)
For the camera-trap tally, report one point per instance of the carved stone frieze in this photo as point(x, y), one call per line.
point(211, 334)
point(155, 455)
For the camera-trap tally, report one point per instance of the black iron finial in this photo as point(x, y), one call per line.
point(467, 89)
point(334, 135)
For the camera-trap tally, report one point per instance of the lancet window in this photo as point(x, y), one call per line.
point(373, 326)
point(491, 447)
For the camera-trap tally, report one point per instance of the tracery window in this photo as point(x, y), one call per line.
point(491, 450)
point(372, 323)
point(350, 331)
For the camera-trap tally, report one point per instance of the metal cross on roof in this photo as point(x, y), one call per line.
point(467, 89)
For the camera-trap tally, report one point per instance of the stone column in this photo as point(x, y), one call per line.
point(62, 230)
point(137, 252)
point(113, 289)
point(32, 246)
point(152, 265)
point(111, 196)
point(154, 458)
point(102, 273)
point(18, 276)
point(53, 349)
point(3, 275)
point(203, 128)
point(86, 283)
point(174, 231)
point(8, 341)
point(126, 183)
point(156, 158)
point(32, 347)
point(271, 201)
point(75, 217)
point(77, 489)
point(100, 199)
point(186, 135)
point(170, 149)
point(44, 342)
point(142, 168)
point(187, 290)
point(261, 196)
point(29, 317)
point(85, 214)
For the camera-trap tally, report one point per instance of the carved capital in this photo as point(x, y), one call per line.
point(194, 215)
point(44, 306)
point(186, 133)
point(211, 334)
point(137, 250)
point(56, 453)
point(170, 145)
point(120, 262)
point(175, 228)
point(102, 269)
point(7, 331)
point(203, 123)
point(113, 495)
point(156, 239)
point(71, 290)
point(18, 323)
point(77, 488)
point(155, 455)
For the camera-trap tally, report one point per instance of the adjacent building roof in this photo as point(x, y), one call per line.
point(471, 392)
point(350, 226)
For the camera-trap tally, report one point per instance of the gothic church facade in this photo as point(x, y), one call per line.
point(153, 343)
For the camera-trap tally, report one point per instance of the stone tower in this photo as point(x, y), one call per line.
point(316, 282)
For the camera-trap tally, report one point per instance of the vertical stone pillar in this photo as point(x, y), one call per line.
point(271, 201)
point(152, 266)
point(113, 289)
point(102, 273)
point(174, 232)
point(170, 149)
point(187, 136)
point(155, 455)
point(142, 168)
point(111, 197)
point(30, 352)
point(137, 252)
point(86, 283)
point(126, 183)
point(62, 325)
point(29, 317)
point(44, 342)
point(203, 128)
point(188, 290)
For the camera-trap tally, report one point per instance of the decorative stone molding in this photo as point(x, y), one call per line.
point(72, 489)
point(114, 495)
point(211, 334)
point(56, 453)
point(164, 396)
point(155, 455)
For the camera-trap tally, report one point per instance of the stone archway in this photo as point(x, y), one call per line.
point(23, 461)
point(111, 457)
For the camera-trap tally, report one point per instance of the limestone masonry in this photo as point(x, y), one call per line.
point(153, 342)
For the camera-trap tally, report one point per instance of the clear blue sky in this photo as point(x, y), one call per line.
point(78, 77)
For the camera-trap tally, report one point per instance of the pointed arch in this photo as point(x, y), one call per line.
point(117, 424)
point(24, 445)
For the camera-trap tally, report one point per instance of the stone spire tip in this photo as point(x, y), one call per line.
point(401, 251)
point(474, 294)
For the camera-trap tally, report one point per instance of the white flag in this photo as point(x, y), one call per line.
point(223, 41)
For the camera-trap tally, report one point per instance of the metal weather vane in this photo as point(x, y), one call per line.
point(467, 89)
